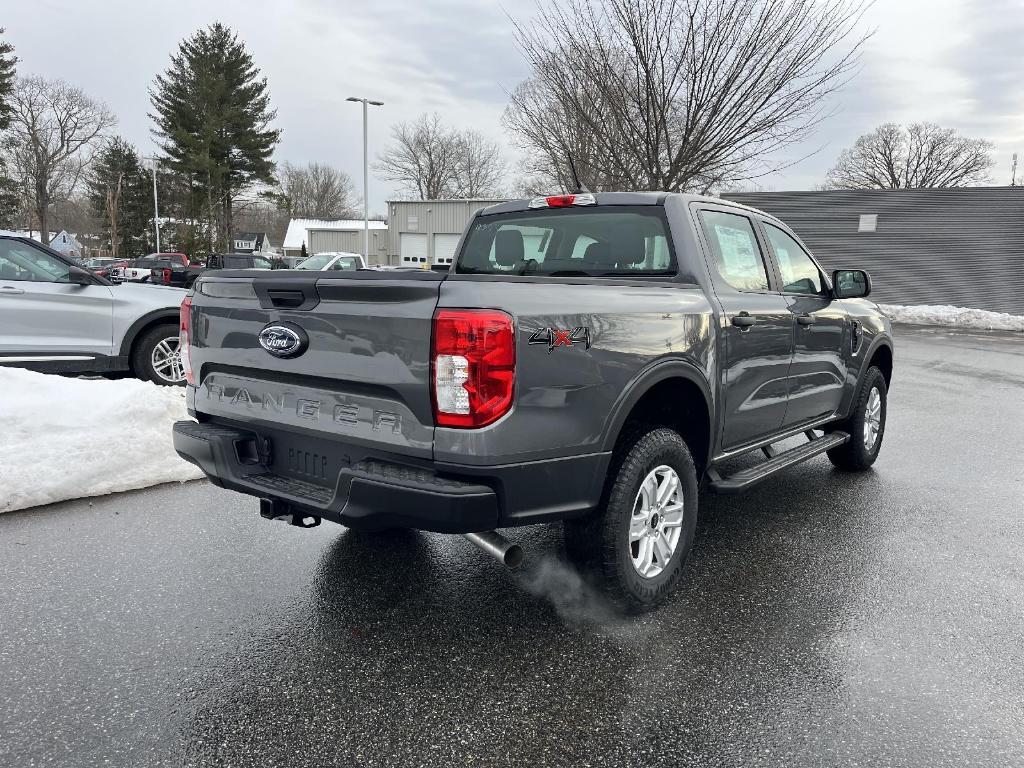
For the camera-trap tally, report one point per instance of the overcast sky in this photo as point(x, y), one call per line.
point(954, 62)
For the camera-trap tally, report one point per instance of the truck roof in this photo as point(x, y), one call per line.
point(620, 198)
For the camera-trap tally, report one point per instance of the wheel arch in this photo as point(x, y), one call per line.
point(879, 353)
point(143, 324)
point(655, 396)
point(881, 357)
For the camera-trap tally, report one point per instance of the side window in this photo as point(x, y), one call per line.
point(579, 249)
point(735, 250)
point(21, 261)
point(799, 273)
point(657, 251)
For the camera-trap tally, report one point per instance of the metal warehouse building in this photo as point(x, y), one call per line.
point(428, 231)
point(321, 235)
point(962, 246)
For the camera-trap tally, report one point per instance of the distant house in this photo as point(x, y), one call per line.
point(252, 242)
point(321, 235)
point(66, 243)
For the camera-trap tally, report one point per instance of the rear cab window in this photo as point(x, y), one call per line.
point(599, 241)
point(737, 256)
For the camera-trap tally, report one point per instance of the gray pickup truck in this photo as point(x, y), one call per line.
point(595, 359)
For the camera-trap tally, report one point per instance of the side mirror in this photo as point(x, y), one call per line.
point(851, 283)
point(79, 276)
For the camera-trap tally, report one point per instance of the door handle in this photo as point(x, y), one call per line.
point(805, 319)
point(743, 320)
point(10, 290)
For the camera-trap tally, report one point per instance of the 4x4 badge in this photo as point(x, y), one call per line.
point(555, 337)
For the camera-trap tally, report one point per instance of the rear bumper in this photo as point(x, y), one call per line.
point(383, 492)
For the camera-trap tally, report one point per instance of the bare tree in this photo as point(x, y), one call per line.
point(112, 204)
point(559, 147)
point(316, 191)
point(423, 158)
point(918, 155)
point(55, 129)
point(677, 94)
point(479, 167)
point(76, 215)
point(435, 161)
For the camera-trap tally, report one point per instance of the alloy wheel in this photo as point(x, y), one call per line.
point(872, 418)
point(166, 360)
point(657, 521)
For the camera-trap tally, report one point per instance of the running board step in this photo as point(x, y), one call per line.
point(745, 478)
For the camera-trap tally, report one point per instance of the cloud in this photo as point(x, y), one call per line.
point(955, 63)
point(951, 63)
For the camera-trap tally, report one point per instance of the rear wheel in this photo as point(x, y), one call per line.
point(156, 356)
point(638, 543)
point(866, 425)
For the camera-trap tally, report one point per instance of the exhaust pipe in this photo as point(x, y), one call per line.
point(497, 546)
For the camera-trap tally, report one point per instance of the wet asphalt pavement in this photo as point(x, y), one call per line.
point(827, 619)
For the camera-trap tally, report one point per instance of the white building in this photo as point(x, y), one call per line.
point(321, 235)
point(66, 243)
point(252, 242)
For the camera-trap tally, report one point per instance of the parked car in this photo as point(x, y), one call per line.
point(103, 264)
point(591, 358)
point(184, 277)
point(333, 261)
point(58, 317)
point(139, 270)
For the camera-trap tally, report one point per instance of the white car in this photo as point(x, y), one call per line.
point(333, 260)
point(58, 317)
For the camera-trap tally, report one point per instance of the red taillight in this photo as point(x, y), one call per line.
point(473, 366)
point(184, 325)
point(167, 276)
point(564, 201)
point(560, 201)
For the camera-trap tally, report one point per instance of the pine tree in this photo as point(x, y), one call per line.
point(9, 196)
point(7, 63)
point(119, 194)
point(212, 114)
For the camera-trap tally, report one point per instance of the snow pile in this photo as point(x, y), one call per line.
point(63, 438)
point(959, 317)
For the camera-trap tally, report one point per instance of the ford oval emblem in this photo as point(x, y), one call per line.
point(284, 340)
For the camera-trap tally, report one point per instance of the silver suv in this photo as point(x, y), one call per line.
point(56, 316)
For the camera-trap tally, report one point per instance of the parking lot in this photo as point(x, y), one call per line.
point(827, 619)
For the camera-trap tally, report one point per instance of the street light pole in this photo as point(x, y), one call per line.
point(366, 177)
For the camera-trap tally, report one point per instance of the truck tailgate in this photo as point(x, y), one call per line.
point(362, 376)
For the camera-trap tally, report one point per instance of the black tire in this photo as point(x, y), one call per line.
point(855, 455)
point(142, 354)
point(600, 544)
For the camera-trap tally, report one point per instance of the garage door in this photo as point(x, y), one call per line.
point(444, 248)
point(412, 248)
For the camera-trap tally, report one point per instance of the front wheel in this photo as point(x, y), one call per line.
point(640, 539)
point(866, 425)
point(156, 356)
